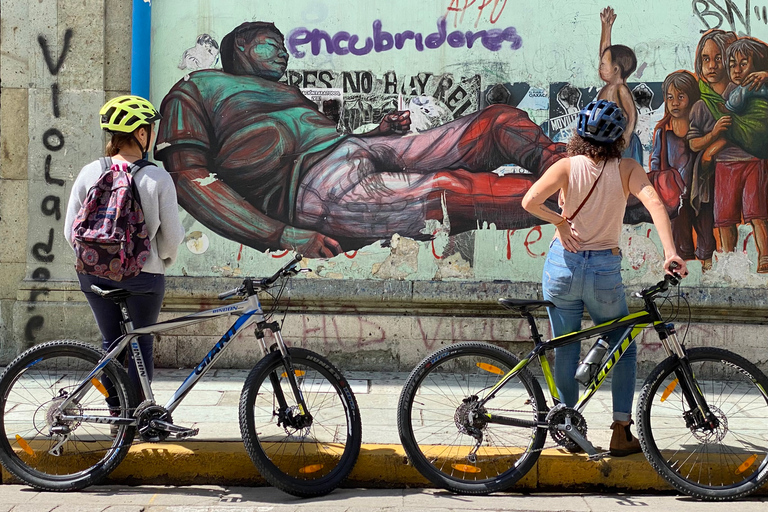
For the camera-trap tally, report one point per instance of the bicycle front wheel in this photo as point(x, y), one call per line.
point(303, 460)
point(50, 453)
point(439, 426)
point(727, 462)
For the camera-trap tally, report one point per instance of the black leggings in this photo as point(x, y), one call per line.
point(144, 310)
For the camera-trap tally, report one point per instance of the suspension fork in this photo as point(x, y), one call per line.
point(290, 372)
point(687, 380)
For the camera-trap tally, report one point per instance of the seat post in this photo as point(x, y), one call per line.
point(535, 336)
point(126, 326)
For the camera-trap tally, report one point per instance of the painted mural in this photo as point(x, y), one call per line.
point(305, 134)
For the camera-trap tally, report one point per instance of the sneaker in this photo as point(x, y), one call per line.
point(623, 443)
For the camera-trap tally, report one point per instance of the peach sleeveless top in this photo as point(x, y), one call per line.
point(599, 221)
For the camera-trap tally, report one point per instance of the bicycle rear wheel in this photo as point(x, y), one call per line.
point(306, 461)
point(725, 463)
point(31, 389)
point(435, 427)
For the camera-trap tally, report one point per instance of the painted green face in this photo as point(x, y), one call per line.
point(267, 55)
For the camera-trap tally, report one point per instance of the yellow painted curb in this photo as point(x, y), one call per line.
point(379, 465)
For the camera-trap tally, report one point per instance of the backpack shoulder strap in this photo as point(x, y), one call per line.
point(138, 165)
point(106, 163)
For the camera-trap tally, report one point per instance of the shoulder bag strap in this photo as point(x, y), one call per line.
point(569, 219)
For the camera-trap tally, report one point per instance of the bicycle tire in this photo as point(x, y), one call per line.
point(430, 419)
point(727, 463)
point(31, 386)
point(306, 462)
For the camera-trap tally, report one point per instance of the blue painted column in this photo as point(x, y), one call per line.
point(140, 43)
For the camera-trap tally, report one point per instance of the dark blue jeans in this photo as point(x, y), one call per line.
point(144, 310)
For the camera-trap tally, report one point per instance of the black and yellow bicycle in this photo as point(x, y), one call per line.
point(473, 418)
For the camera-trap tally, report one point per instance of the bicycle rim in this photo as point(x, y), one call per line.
point(723, 463)
point(308, 461)
point(435, 427)
point(31, 388)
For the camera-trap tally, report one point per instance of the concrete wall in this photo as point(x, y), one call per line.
point(383, 304)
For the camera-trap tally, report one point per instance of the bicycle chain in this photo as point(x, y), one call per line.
point(547, 438)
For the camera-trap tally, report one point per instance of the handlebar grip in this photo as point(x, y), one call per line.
point(230, 293)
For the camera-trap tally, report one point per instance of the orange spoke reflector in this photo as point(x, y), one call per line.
point(490, 368)
point(298, 373)
point(669, 390)
point(98, 385)
point(745, 465)
point(24, 445)
point(465, 468)
point(314, 468)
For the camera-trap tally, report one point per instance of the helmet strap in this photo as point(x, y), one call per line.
point(144, 151)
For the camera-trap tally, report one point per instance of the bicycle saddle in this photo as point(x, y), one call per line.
point(116, 294)
point(524, 305)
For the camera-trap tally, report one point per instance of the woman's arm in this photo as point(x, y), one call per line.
point(641, 188)
point(553, 180)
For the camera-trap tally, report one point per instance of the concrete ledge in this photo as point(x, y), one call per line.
point(379, 466)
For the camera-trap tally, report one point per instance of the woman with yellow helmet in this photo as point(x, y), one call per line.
point(130, 121)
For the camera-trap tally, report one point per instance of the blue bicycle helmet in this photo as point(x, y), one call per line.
point(601, 121)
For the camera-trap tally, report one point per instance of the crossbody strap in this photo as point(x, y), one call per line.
point(570, 219)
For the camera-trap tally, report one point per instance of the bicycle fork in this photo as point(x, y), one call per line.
point(699, 414)
point(285, 417)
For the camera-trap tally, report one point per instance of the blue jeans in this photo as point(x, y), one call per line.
point(591, 279)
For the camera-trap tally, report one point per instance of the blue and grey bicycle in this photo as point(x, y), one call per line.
point(68, 412)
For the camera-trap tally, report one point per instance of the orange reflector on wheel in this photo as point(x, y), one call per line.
point(745, 465)
point(298, 373)
point(669, 390)
point(490, 368)
point(466, 468)
point(24, 445)
point(314, 468)
point(98, 385)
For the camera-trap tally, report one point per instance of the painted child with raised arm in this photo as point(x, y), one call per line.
point(617, 63)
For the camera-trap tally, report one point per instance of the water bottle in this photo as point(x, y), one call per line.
point(589, 365)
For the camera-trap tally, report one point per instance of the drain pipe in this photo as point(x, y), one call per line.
point(140, 42)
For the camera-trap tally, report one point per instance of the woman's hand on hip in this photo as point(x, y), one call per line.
point(569, 238)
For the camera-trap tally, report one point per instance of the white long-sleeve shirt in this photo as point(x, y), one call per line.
point(158, 201)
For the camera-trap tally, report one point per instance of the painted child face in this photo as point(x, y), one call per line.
point(267, 55)
point(740, 65)
point(677, 103)
point(712, 65)
point(608, 71)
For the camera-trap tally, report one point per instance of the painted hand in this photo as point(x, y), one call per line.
point(722, 125)
point(396, 122)
point(755, 80)
point(309, 243)
point(607, 16)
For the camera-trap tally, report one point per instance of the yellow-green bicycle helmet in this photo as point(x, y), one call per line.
point(126, 113)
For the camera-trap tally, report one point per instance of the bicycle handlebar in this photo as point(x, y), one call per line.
point(662, 286)
point(254, 285)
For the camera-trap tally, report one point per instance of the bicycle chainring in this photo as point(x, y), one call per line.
point(556, 416)
point(145, 413)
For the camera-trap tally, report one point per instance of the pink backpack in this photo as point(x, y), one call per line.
point(109, 233)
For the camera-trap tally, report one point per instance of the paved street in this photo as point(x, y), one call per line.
point(264, 499)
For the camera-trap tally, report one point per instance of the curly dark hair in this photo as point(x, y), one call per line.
point(597, 151)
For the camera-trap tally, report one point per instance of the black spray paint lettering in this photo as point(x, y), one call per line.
point(53, 141)
point(724, 14)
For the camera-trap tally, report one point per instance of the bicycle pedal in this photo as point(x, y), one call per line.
point(191, 432)
point(599, 456)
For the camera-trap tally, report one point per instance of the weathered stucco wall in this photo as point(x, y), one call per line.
point(385, 303)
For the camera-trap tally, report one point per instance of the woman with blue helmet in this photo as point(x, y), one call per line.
point(583, 266)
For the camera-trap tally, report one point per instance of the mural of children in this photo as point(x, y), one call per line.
point(670, 150)
point(740, 178)
point(617, 63)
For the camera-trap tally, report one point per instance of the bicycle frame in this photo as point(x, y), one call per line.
point(632, 324)
point(248, 311)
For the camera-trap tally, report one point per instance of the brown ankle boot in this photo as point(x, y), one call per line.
point(623, 443)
